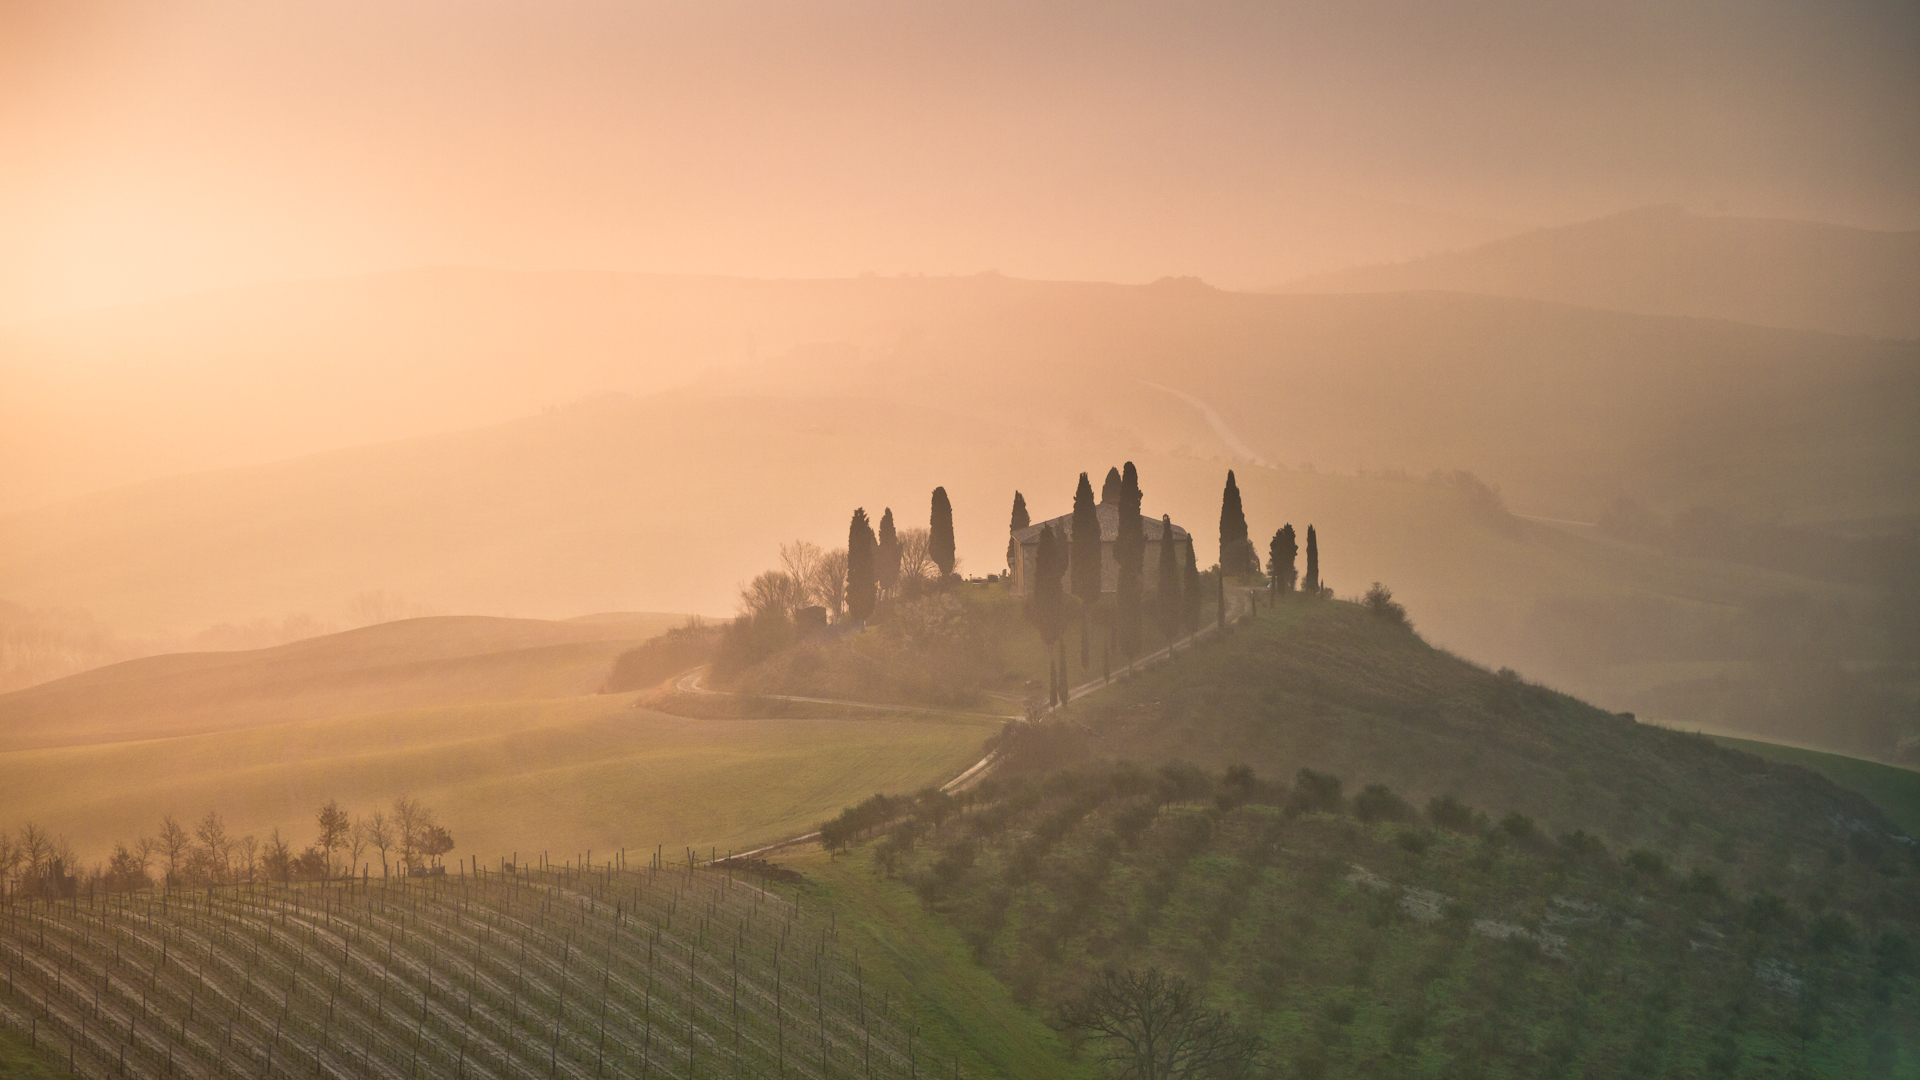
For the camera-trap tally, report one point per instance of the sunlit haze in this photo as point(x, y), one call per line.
point(161, 149)
point(815, 540)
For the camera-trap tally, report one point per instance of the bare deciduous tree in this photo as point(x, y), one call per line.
point(334, 828)
point(827, 586)
point(1152, 1026)
point(10, 856)
point(174, 843)
point(216, 847)
point(249, 858)
point(799, 558)
point(379, 833)
point(411, 820)
point(916, 557)
point(774, 592)
point(358, 841)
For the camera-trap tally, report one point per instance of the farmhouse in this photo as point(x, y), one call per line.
point(1023, 552)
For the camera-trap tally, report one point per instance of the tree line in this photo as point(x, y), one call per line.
point(36, 864)
point(1067, 572)
point(847, 584)
point(1068, 580)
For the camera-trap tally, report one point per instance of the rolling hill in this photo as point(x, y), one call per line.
point(1388, 862)
point(647, 505)
point(1662, 260)
point(446, 660)
point(1563, 408)
point(497, 723)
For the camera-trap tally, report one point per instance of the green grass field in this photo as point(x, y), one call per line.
point(1896, 791)
point(966, 1014)
point(568, 774)
point(20, 1061)
point(494, 723)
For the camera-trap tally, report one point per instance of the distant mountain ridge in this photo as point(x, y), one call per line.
point(1663, 260)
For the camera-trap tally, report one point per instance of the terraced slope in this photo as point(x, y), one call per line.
point(606, 970)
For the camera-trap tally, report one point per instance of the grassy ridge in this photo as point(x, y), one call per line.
point(966, 1014)
point(445, 660)
point(1333, 688)
point(1896, 791)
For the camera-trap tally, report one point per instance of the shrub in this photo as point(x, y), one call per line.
point(1703, 881)
point(1380, 601)
point(835, 835)
point(1416, 843)
point(1830, 931)
point(1450, 813)
point(1314, 792)
point(1519, 827)
point(1582, 845)
point(1648, 863)
point(661, 657)
point(1892, 955)
point(1379, 803)
point(1764, 910)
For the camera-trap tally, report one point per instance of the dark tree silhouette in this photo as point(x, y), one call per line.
point(1311, 585)
point(886, 556)
point(1190, 590)
point(940, 533)
point(861, 579)
point(1167, 600)
point(1280, 560)
point(1111, 487)
point(1236, 551)
point(1047, 607)
point(1085, 557)
point(1153, 1026)
point(1130, 551)
point(1020, 518)
point(1085, 548)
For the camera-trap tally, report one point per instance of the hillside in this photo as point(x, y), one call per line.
point(658, 970)
point(1428, 870)
point(448, 660)
point(497, 723)
point(1333, 688)
point(1662, 260)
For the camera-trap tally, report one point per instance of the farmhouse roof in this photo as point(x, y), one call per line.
point(1109, 516)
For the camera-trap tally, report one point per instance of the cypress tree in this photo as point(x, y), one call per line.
point(1190, 592)
point(1130, 551)
point(1167, 600)
point(1111, 487)
point(1236, 551)
point(1020, 518)
point(886, 556)
point(1280, 560)
point(1085, 557)
point(1085, 545)
point(1047, 607)
point(1312, 584)
point(860, 568)
point(940, 534)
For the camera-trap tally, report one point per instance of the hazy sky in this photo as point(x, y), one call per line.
point(150, 149)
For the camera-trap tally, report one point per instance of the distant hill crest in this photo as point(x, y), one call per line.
point(1665, 260)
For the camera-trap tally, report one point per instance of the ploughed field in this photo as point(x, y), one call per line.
point(575, 970)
